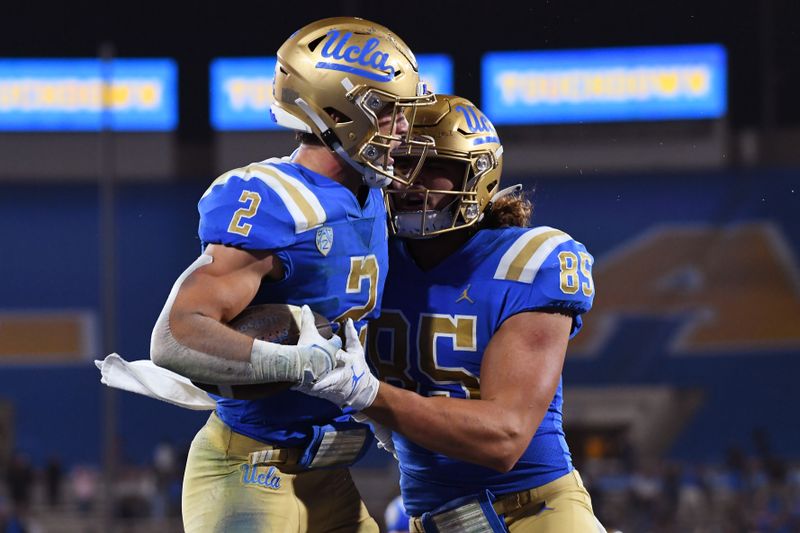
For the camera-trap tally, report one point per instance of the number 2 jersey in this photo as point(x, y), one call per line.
point(433, 330)
point(334, 253)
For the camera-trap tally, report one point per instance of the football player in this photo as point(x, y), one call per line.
point(309, 229)
point(477, 314)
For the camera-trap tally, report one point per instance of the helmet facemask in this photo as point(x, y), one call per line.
point(461, 133)
point(462, 210)
point(377, 153)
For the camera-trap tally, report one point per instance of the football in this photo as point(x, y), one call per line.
point(278, 323)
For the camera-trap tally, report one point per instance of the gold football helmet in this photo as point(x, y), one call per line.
point(336, 77)
point(460, 133)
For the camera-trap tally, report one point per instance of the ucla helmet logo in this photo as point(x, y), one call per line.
point(354, 57)
point(477, 122)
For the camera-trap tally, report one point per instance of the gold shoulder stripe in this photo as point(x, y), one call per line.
point(300, 201)
point(522, 261)
point(303, 205)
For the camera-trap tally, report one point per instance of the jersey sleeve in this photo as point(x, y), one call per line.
point(243, 210)
point(551, 271)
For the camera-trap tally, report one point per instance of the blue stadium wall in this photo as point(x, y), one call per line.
point(697, 287)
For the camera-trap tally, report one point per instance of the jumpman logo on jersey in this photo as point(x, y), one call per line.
point(465, 296)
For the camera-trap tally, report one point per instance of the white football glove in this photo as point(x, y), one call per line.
point(349, 384)
point(311, 358)
point(318, 354)
point(382, 434)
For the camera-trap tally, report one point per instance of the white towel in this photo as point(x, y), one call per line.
point(144, 377)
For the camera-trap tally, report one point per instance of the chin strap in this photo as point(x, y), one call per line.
point(371, 178)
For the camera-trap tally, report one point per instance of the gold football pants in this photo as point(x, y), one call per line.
point(561, 506)
point(223, 493)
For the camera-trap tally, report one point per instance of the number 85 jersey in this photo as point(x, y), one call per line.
point(433, 330)
point(334, 255)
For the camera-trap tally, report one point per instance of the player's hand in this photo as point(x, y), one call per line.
point(318, 354)
point(382, 434)
point(351, 383)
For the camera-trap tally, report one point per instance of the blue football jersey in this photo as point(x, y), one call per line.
point(334, 252)
point(433, 330)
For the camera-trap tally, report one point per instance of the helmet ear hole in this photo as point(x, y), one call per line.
point(313, 44)
point(338, 116)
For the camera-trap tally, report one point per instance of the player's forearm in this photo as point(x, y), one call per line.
point(190, 338)
point(208, 335)
point(312, 357)
point(478, 431)
point(209, 352)
point(200, 348)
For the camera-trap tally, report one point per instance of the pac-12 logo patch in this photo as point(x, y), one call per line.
point(324, 239)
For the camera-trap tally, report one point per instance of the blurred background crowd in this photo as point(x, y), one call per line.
point(740, 493)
